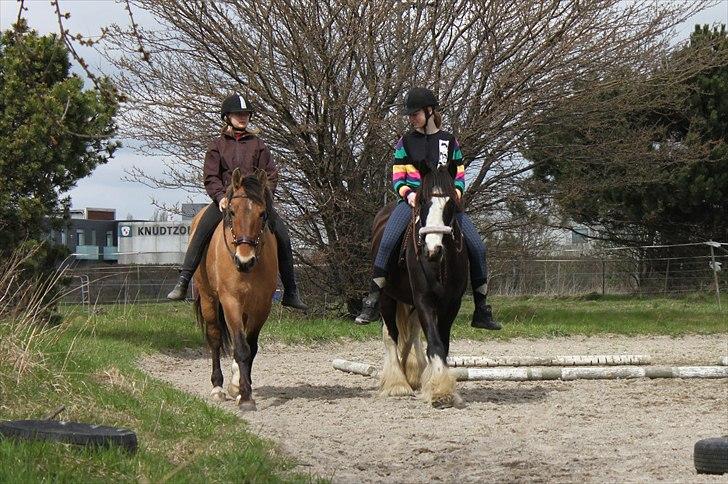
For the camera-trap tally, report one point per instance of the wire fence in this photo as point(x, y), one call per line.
point(617, 272)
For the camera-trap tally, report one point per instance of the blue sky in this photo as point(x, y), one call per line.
point(106, 187)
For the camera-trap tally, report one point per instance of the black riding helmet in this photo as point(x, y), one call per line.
point(236, 103)
point(418, 98)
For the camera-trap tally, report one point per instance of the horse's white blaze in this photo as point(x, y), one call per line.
point(435, 219)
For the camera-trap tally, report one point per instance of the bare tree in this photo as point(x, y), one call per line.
point(327, 73)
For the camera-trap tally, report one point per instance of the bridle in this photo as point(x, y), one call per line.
point(419, 234)
point(243, 239)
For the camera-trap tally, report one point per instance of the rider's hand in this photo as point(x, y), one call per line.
point(459, 195)
point(411, 198)
point(223, 203)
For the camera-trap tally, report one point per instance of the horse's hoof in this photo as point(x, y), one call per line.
point(233, 390)
point(397, 391)
point(218, 394)
point(247, 406)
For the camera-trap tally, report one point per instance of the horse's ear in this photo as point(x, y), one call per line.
point(262, 177)
point(237, 178)
point(424, 169)
point(452, 169)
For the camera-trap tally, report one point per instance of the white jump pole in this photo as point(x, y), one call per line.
point(575, 360)
point(554, 373)
point(355, 367)
point(589, 373)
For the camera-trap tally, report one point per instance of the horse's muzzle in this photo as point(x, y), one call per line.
point(245, 266)
point(435, 255)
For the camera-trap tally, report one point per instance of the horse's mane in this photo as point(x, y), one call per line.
point(437, 181)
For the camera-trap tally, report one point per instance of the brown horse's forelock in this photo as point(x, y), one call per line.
point(253, 189)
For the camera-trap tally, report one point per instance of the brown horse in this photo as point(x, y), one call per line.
point(235, 283)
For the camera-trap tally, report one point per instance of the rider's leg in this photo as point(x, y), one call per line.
point(396, 225)
point(285, 262)
point(483, 314)
point(203, 233)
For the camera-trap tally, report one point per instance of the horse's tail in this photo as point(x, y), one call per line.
point(219, 321)
point(224, 333)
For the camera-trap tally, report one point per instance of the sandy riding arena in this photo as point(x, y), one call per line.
point(336, 426)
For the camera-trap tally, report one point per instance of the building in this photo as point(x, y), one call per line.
point(90, 234)
point(94, 235)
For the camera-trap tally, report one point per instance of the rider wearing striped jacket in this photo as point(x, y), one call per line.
point(429, 144)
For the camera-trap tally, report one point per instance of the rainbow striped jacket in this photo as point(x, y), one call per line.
point(415, 148)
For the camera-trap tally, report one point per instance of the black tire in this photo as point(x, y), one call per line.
point(711, 455)
point(69, 432)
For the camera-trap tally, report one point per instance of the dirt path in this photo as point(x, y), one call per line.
point(623, 430)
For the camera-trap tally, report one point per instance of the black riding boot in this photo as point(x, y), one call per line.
point(290, 298)
point(203, 233)
point(483, 314)
point(370, 306)
point(180, 289)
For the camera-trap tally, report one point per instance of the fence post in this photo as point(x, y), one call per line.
point(667, 273)
point(715, 271)
point(604, 282)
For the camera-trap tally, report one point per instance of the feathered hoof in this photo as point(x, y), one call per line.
point(218, 394)
point(396, 391)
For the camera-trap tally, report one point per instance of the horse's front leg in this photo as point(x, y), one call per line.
point(438, 382)
point(241, 354)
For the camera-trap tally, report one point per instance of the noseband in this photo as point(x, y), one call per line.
point(435, 229)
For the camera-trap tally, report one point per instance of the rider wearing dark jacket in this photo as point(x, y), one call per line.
point(426, 143)
point(237, 147)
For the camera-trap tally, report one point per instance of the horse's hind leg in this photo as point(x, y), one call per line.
point(214, 340)
point(410, 345)
point(393, 381)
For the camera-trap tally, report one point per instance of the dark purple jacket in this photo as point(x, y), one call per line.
point(227, 153)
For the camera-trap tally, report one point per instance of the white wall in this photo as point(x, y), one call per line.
point(153, 242)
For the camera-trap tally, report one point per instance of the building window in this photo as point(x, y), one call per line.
point(64, 237)
point(93, 237)
point(579, 235)
point(80, 237)
point(109, 238)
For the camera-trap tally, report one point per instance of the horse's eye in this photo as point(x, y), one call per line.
point(262, 215)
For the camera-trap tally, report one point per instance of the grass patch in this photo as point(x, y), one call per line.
point(88, 365)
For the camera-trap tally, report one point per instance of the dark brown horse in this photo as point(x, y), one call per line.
point(235, 283)
point(425, 293)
